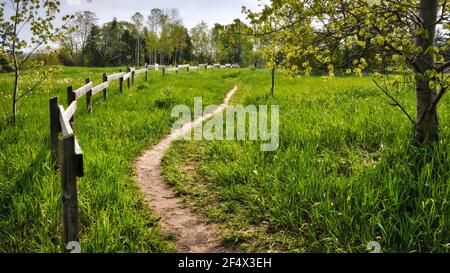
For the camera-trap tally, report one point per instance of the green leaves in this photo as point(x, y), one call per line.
point(383, 32)
point(37, 15)
point(379, 40)
point(422, 32)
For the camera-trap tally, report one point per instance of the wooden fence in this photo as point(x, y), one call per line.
point(166, 70)
point(66, 152)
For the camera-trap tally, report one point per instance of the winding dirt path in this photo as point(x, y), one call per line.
point(193, 235)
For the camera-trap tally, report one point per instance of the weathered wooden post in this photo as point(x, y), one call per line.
point(132, 76)
point(121, 82)
point(105, 91)
point(128, 80)
point(188, 69)
point(146, 72)
point(55, 129)
point(164, 71)
point(176, 70)
point(70, 98)
point(69, 196)
point(89, 97)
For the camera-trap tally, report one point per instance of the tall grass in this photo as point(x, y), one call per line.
point(345, 174)
point(114, 217)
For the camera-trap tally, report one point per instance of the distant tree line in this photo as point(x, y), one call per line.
point(160, 38)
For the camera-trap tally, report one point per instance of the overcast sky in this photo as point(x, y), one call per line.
point(192, 11)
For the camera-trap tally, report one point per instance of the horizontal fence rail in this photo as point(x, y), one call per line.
point(66, 151)
point(99, 88)
point(141, 71)
point(115, 76)
point(126, 76)
point(83, 90)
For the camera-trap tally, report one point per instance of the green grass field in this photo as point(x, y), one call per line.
point(113, 215)
point(345, 173)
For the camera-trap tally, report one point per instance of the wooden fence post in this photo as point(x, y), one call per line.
point(128, 80)
point(176, 71)
point(55, 128)
point(89, 97)
point(132, 76)
point(121, 82)
point(70, 98)
point(188, 69)
point(69, 198)
point(105, 91)
point(146, 72)
point(164, 71)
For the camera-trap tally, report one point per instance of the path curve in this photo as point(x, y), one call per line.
point(193, 235)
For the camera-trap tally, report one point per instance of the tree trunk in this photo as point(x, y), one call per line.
point(137, 54)
point(16, 69)
point(427, 119)
point(175, 56)
point(273, 81)
point(15, 94)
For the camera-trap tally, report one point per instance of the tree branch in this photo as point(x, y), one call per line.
point(396, 103)
point(41, 42)
point(443, 67)
point(41, 80)
point(439, 97)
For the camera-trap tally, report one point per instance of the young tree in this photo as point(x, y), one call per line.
point(91, 48)
point(110, 44)
point(83, 23)
point(271, 44)
point(178, 37)
point(201, 42)
point(218, 44)
point(231, 46)
point(39, 17)
point(127, 48)
point(138, 20)
point(154, 20)
point(186, 54)
point(151, 45)
point(403, 29)
point(154, 23)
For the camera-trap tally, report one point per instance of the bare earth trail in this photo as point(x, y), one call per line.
point(193, 235)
